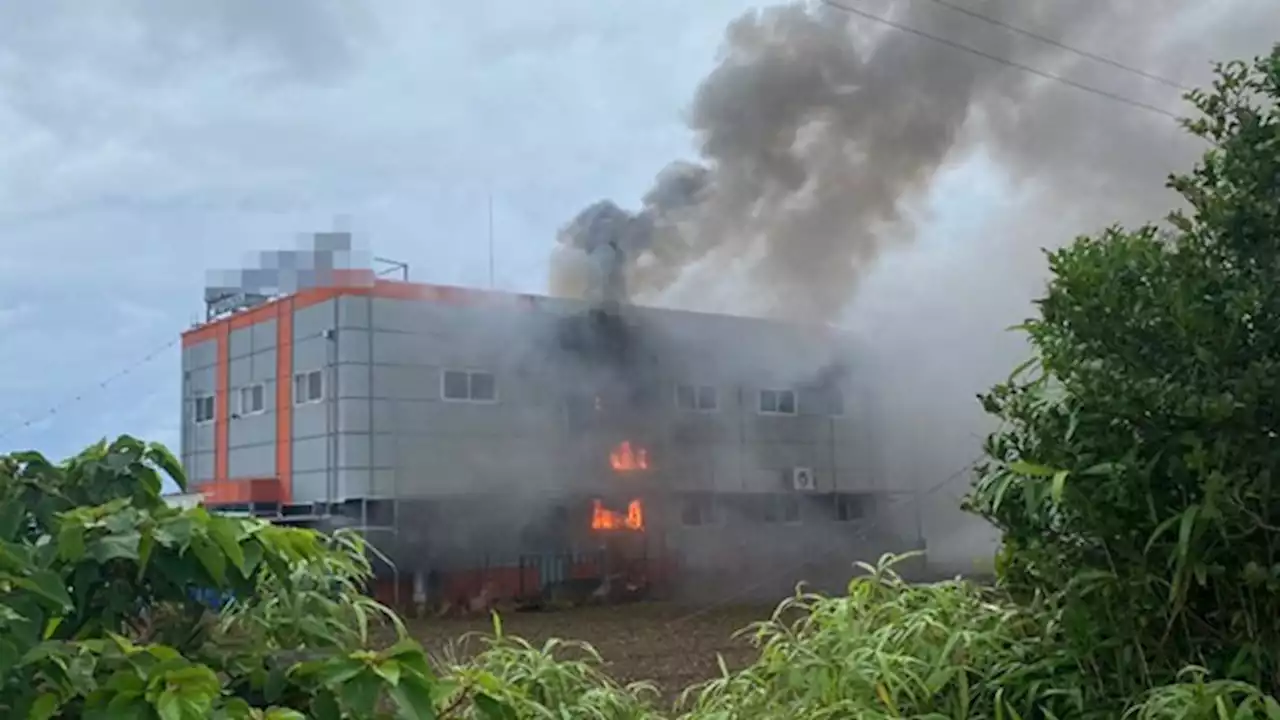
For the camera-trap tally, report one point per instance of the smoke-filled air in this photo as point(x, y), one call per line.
point(818, 130)
point(852, 172)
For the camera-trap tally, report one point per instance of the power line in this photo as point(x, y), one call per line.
point(1004, 61)
point(1062, 46)
point(102, 384)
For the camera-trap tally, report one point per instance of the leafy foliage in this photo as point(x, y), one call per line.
point(1134, 475)
point(98, 614)
point(513, 679)
point(889, 649)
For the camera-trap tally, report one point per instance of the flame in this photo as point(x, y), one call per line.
point(605, 519)
point(624, 458)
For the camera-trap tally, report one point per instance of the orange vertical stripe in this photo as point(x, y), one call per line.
point(284, 398)
point(222, 403)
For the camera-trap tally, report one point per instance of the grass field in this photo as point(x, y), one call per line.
point(670, 645)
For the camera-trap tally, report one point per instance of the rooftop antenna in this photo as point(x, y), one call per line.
point(491, 238)
point(393, 266)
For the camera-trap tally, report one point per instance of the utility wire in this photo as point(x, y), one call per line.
point(1062, 46)
point(1004, 61)
point(861, 535)
point(102, 384)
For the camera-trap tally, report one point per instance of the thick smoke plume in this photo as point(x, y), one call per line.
point(819, 129)
point(837, 157)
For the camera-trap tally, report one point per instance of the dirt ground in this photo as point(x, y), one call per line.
point(670, 645)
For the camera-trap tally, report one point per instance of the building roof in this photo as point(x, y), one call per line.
point(363, 283)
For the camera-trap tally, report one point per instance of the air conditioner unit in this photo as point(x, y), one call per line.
point(802, 479)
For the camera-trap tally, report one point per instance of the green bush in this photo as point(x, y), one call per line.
point(892, 650)
point(1133, 478)
point(98, 617)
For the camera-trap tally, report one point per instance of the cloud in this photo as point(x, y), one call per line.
point(146, 143)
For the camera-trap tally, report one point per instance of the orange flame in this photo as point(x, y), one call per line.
point(625, 459)
point(605, 519)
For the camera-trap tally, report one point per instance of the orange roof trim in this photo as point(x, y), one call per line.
point(356, 283)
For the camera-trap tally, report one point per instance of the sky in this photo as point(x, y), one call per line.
point(146, 143)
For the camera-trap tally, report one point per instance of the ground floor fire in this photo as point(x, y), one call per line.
point(470, 553)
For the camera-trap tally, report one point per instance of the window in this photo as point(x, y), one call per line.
point(778, 402)
point(468, 386)
point(696, 398)
point(203, 409)
point(697, 510)
point(252, 399)
point(850, 507)
point(308, 387)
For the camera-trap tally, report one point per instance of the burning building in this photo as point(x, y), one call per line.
point(509, 442)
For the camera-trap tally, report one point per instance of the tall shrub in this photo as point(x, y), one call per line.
point(100, 617)
point(1134, 475)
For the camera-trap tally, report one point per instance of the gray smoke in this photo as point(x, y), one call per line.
point(819, 130)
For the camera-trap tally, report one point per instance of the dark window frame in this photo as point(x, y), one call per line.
point(449, 394)
point(777, 406)
point(697, 398)
point(204, 409)
point(308, 387)
point(257, 396)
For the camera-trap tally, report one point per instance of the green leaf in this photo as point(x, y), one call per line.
point(277, 680)
point(44, 707)
point(211, 558)
point(51, 627)
point(116, 547)
point(324, 706)
point(252, 550)
point(1059, 484)
point(411, 657)
point(339, 670)
point(13, 516)
point(1022, 467)
point(414, 698)
point(49, 586)
point(122, 521)
point(388, 670)
point(360, 693)
point(165, 460)
point(1100, 469)
point(1024, 366)
point(223, 532)
point(176, 532)
point(146, 544)
point(1185, 528)
point(169, 706)
point(491, 709)
point(9, 656)
point(1160, 530)
point(71, 541)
